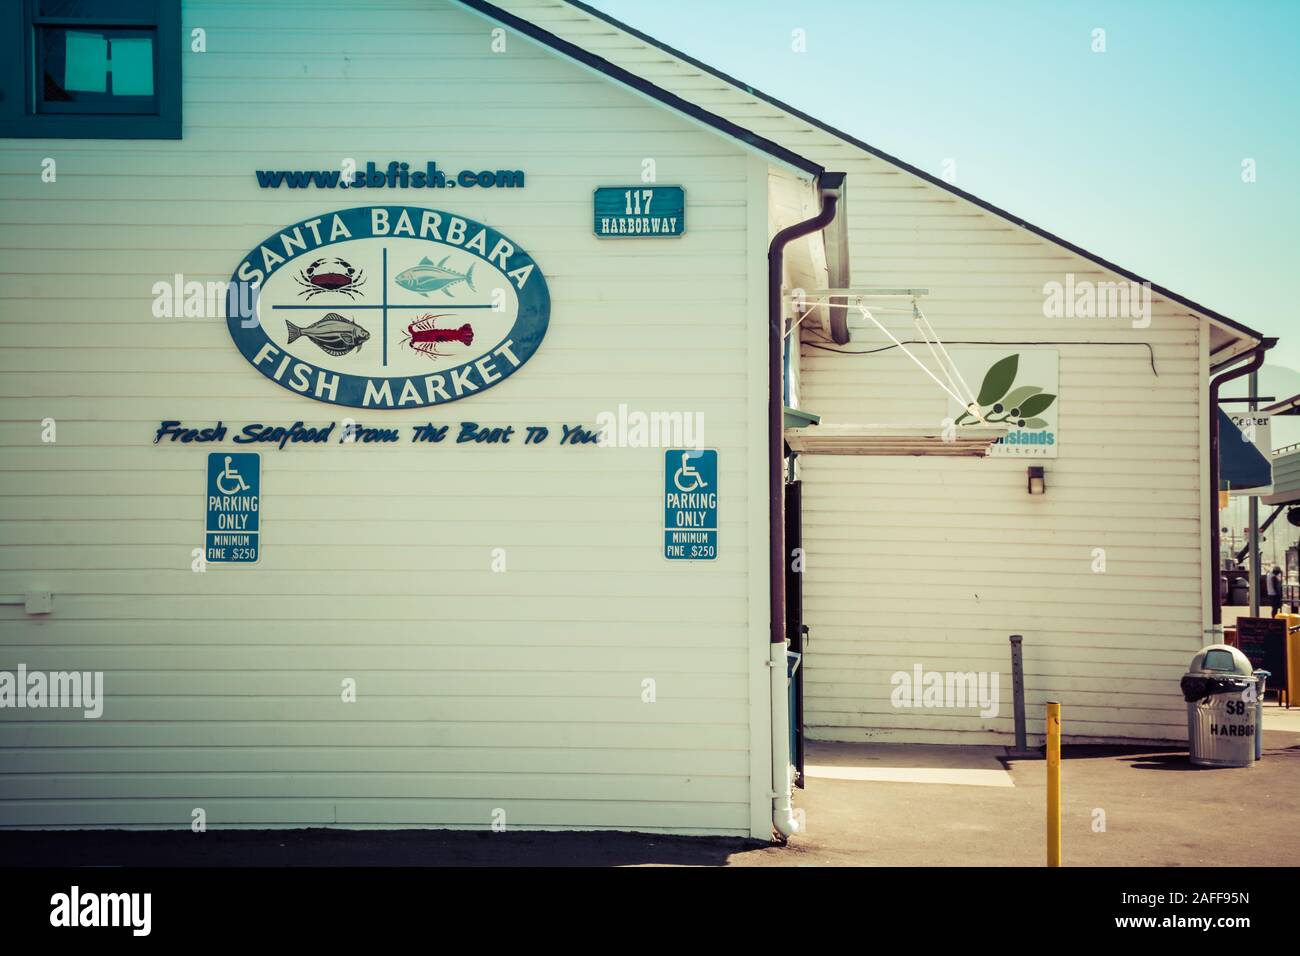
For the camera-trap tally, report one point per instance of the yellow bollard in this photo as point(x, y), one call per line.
point(1053, 784)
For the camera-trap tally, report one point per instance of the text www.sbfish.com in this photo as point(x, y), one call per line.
point(1203, 923)
point(394, 176)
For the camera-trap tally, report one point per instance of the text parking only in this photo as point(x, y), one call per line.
point(234, 506)
point(690, 504)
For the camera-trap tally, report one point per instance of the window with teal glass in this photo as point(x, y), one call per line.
point(95, 69)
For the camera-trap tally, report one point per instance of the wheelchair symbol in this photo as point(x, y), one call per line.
point(229, 475)
point(685, 473)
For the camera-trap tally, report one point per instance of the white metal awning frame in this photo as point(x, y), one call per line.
point(956, 386)
point(971, 441)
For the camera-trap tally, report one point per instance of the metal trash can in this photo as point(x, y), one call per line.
point(1219, 688)
point(1261, 688)
point(1240, 596)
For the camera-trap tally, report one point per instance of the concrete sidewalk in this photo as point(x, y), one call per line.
point(1144, 806)
point(865, 805)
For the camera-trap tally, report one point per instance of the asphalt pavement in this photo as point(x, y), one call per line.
point(864, 805)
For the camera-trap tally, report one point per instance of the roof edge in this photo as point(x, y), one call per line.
point(644, 86)
point(1287, 406)
point(928, 177)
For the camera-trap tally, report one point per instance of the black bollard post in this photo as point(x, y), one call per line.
point(1018, 694)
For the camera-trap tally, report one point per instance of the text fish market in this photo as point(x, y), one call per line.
point(390, 391)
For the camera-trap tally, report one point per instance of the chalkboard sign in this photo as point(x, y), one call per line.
point(1263, 640)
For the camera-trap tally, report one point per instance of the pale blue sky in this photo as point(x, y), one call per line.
point(1134, 154)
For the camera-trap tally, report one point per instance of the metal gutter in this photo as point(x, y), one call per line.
point(829, 187)
point(1256, 360)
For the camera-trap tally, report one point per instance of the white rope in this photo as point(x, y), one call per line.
point(971, 407)
point(935, 355)
point(797, 322)
point(949, 366)
point(931, 338)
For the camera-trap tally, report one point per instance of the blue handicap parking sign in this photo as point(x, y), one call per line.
point(690, 504)
point(233, 527)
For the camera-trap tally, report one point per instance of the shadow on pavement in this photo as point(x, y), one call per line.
point(325, 847)
point(1149, 757)
point(1175, 761)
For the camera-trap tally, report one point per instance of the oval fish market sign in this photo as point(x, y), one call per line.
point(388, 307)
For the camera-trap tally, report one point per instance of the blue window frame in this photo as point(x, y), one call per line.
point(90, 69)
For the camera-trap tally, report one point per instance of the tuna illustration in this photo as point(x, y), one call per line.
point(425, 277)
point(334, 334)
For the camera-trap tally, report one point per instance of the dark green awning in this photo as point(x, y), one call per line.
point(794, 418)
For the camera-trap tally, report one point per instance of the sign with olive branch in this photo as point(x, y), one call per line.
point(1016, 389)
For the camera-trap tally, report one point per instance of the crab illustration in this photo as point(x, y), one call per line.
point(330, 275)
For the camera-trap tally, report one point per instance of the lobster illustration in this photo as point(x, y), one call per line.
point(422, 336)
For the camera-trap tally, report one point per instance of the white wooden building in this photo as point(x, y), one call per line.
point(468, 635)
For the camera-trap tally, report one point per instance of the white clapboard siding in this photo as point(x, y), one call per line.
point(937, 561)
point(477, 691)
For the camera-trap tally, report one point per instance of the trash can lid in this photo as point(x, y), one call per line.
point(1222, 660)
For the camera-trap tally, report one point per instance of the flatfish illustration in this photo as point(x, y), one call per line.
point(334, 334)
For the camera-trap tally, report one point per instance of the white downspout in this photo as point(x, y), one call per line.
point(783, 817)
